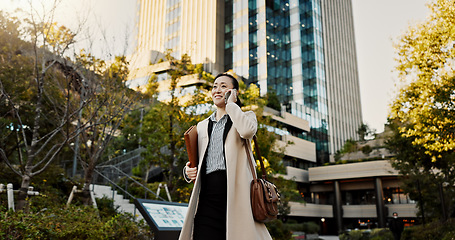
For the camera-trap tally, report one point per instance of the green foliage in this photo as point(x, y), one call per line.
point(165, 122)
point(350, 146)
point(419, 182)
point(424, 106)
point(279, 230)
point(43, 93)
point(311, 227)
point(22, 104)
point(374, 234)
point(46, 217)
point(106, 207)
point(423, 113)
point(352, 235)
point(52, 185)
point(364, 131)
point(366, 149)
point(73, 223)
point(434, 230)
point(272, 100)
point(381, 234)
point(306, 227)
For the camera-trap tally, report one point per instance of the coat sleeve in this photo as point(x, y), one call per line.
point(245, 122)
point(185, 176)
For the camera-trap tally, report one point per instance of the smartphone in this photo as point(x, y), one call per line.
point(226, 96)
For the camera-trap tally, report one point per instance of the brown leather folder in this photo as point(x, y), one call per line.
point(191, 145)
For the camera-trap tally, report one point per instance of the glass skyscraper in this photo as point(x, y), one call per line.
point(303, 50)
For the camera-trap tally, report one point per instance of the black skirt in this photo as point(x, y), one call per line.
point(210, 219)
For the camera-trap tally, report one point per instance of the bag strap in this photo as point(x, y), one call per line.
point(250, 161)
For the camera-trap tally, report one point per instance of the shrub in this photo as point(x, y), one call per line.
point(374, 234)
point(311, 227)
point(77, 222)
point(381, 234)
point(351, 235)
point(278, 230)
point(294, 227)
point(433, 230)
point(106, 207)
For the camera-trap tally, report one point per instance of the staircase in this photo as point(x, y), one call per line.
point(124, 205)
point(108, 173)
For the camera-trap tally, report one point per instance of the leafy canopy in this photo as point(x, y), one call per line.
point(425, 104)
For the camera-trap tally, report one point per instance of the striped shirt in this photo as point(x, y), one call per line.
point(215, 157)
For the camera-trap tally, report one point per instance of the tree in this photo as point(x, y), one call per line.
point(272, 100)
point(419, 180)
point(38, 110)
point(364, 131)
point(350, 146)
point(109, 100)
point(166, 121)
point(45, 90)
point(423, 110)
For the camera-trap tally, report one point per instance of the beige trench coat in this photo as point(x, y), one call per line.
point(239, 220)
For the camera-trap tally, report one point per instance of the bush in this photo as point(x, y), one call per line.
point(77, 222)
point(351, 235)
point(106, 207)
point(375, 234)
point(311, 227)
point(433, 230)
point(278, 230)
point(381, 234)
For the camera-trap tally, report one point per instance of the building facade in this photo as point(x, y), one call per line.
point(193, 27)
point(351, 196)
point(302, 50)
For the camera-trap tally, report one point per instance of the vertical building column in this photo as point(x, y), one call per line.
point(380, 206)
point(337, 208)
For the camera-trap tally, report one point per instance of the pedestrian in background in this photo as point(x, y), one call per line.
point(396, 226)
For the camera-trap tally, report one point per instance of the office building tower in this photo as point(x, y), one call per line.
point(302, 50)
point(193, 27)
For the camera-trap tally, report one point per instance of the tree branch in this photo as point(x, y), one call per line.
point(3, 155)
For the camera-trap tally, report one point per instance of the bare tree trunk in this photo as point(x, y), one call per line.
point(147, 174)
point(22, 196)
point(86, 198)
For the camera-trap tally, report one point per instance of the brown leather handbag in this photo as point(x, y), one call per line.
point(264, 194)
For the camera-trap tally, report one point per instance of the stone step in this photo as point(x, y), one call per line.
point(123, 204)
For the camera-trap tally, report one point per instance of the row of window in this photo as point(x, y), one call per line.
point(361, 197)
point(173, 14)
point(172, 43)
point(170, 3)
point(173, 28)
point(317, 119)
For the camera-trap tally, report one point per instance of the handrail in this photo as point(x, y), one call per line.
point(123, 158)
point(117, 186)
point(132, 179)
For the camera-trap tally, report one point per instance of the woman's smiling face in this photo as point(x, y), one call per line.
point(220, 87)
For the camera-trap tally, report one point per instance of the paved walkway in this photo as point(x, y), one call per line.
point(329, 237)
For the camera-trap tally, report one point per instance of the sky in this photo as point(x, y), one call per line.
point(377, 24)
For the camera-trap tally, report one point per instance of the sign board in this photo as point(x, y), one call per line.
point(165, 218)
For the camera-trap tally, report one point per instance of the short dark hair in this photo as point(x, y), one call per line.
point(235, 82)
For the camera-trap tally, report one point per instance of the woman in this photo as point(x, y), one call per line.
point(220, 205)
